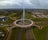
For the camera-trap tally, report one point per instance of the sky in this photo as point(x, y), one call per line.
point(31, 4)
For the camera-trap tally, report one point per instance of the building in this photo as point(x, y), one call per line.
point(2, 18)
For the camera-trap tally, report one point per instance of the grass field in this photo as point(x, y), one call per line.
point(14, 34)
point(23, 35)
point(40, 34)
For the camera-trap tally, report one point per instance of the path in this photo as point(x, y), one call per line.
point(9, 35)
point(29, 35)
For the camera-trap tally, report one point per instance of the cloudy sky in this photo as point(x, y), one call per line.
point(37, 4)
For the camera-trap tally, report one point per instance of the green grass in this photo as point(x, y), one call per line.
point(23, 35)
point(14, 34)
point(39, 19)
point(40, 34)
point(28, 15)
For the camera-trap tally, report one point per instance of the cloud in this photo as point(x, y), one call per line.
point(8, 2)
point(25, 3)
point(11, 2)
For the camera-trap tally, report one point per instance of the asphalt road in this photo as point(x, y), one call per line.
point(29, 35)
point(19, 34)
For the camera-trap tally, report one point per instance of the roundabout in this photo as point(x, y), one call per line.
point(23, 23)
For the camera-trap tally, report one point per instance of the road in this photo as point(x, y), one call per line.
point(19, 34)
point(29, 35)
